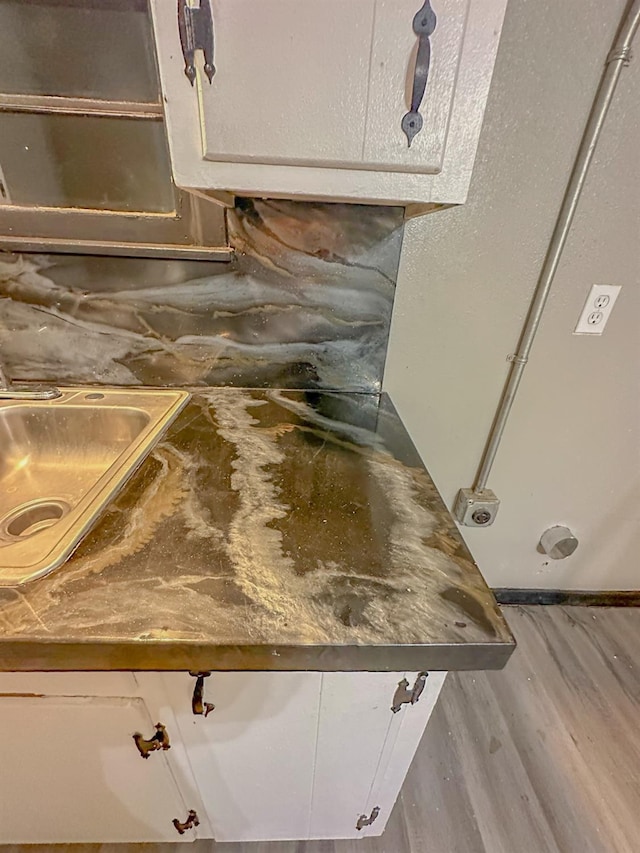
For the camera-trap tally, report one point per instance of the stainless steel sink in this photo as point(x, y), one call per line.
point(62, 461)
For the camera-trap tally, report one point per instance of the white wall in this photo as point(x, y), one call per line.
point(571, 452)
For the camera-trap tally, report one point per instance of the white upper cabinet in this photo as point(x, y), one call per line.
point(310, 98)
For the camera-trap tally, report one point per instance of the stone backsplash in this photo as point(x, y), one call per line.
point(305, 304)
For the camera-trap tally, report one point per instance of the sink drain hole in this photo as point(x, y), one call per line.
point(30, 519)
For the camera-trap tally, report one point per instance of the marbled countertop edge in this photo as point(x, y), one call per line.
point(268, 529)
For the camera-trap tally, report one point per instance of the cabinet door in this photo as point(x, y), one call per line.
point(70, 772)
point(323, 84)
point(287, 755)
point(308, 99)
point(364, 749)
point(253, 756)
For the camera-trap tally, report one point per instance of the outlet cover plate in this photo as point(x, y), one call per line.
point(597, 309)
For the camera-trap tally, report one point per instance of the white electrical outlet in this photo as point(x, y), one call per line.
point(597, 309)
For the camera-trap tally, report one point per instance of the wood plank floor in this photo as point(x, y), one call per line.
point(543, 757)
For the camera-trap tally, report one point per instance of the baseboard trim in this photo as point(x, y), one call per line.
point(586, 598)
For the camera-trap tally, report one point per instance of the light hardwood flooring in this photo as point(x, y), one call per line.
point(543, 757)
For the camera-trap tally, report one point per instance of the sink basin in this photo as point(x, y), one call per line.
point(62, 461)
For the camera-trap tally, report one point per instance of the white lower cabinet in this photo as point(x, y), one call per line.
point(282, 755)
point(300, 755)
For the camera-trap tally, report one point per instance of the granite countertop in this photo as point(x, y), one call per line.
point(268, 530)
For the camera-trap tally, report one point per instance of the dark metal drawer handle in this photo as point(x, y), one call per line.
point(160, 740)
point(195, 25)
point(198, 706)
point(424, 23)
point(190, 822)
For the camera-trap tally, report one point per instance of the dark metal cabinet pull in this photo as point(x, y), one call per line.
point(363, 820)
point(160, 740)
point(424, 23)
point(191, 821)
point(195, 25)
point(198, 706)
point(404, 696)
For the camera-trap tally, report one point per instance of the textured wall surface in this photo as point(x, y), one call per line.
point(306, 304)
point(571, 452)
